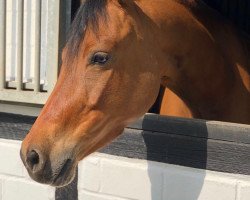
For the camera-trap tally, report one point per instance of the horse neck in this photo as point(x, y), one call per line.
point(205, 69)
point(234, 44)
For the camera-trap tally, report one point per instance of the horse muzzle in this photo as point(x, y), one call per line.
point(58, 172)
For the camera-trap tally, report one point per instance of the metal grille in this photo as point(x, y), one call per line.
point(32, 34)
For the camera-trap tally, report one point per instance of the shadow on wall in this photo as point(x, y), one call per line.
point(177, 143)
point(68, 192)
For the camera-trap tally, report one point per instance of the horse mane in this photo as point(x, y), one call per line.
point(88, 15)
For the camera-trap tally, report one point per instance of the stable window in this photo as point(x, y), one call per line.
point(32, 35)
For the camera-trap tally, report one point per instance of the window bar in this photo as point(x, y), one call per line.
point(53, 41)
point(2, 43)
point(19, 78)
point(37, 46)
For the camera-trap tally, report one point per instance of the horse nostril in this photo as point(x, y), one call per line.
point(32, 159)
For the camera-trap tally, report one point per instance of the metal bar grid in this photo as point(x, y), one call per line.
point(48, 21)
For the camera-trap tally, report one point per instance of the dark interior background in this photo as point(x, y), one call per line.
point(238, 11)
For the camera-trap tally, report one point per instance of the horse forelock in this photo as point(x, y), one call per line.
point(88, 16)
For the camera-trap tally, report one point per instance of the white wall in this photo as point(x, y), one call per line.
point(105, 177)
point(15, 183)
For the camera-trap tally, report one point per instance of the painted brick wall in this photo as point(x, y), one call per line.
point(105, 177)
point(15, 183)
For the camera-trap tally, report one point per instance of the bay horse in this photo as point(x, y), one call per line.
point(118, 55)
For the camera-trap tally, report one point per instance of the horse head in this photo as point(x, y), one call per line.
point(109, 77)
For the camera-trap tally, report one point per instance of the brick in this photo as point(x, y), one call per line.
point(11, 163)
point(131, 179)
point(89, 174)
point(244, 190)
point(84, 195)
point(16, 189)
point(198, 185)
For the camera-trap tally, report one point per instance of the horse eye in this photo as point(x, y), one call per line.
point(100, 58)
